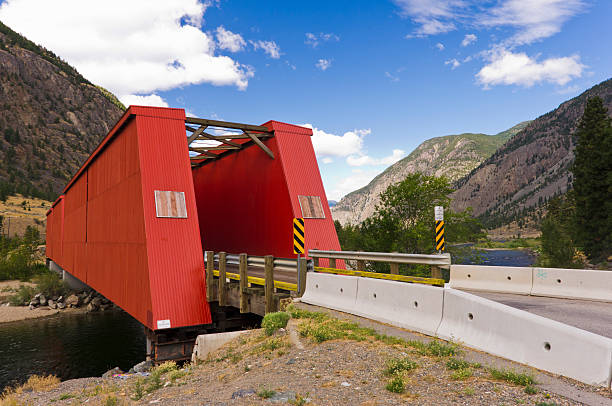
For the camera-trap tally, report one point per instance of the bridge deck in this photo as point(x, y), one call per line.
point(595, 317)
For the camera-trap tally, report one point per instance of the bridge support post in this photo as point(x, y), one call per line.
point(394, 269)
point(210, 266)
point(244, 284)
point(332, 263)
point(222, 280)
point(436, 272)
point(269, 283)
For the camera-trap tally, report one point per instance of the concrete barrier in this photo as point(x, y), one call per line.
point(207, 343)
point(338, 292)
point(507, 279)
point(572, 284)
point(526, 338)
point(411, 306)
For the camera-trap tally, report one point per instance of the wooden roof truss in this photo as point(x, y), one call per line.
point(222, 138)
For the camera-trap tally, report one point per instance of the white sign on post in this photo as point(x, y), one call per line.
point(439, 213)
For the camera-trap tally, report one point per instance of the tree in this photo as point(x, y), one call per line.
point(592, 172)
point(558, 250)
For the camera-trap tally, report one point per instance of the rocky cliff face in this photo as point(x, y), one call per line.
point(51, 118)
point(530, 168)
point(452, 156)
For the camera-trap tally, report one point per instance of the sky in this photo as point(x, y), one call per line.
point(373, 79)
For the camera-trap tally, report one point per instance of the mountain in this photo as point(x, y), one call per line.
point(530, 168)
point(452, 156)
point(51, 118)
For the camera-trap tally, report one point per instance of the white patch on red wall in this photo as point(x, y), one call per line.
point(170, 204)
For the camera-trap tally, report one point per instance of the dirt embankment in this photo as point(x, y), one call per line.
point(333, 362)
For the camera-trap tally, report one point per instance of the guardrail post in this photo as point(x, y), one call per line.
point(394, 269)
point(303, 267)
point(269, 283)
point(316, 261)
point(332, 263)
point(436, 272)
point(244, 284)
point(361, 265)
point(222, 280)
point(210, 267)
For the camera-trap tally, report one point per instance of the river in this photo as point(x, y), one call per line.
point(507, 257)
point(69, 345)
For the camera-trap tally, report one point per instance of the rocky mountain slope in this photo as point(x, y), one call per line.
point(530, 168)
point(51, 118)
point(452, 156)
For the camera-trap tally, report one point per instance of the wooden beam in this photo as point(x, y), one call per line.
point(212, 148)
point(203, 154)
point(222, 280)
point(214, 138)
point(195, 135)
point(244, 284)
point(225, 124)
point(269, 283)
point(210, 266)
point(261, 145)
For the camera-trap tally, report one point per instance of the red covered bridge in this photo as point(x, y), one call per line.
point(160, 188)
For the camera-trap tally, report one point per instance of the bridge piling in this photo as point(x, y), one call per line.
point(222, 280)
point(244, 284)
point(269, 283)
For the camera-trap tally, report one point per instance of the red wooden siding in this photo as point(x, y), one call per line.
point(54, 233)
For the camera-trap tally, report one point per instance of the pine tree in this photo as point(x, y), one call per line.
point(593, 181)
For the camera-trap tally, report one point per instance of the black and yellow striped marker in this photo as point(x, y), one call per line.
point(298, 236)
point(440, 235)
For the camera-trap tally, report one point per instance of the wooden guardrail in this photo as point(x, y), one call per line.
point(251, 289)
point(436, 261)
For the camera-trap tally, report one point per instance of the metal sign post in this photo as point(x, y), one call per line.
point(299, 243)
point(439, 218)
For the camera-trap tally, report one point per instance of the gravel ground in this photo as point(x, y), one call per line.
point(336, 372)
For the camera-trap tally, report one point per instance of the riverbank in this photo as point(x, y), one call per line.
point(320, 360)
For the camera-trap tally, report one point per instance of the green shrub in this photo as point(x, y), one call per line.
point(23, 296)
point(396, 385)
point(516, 378)
point(266, 393)
point(396, 366)
point(50, 284)
point(274, 321)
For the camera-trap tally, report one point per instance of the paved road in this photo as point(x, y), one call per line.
point(595, 317)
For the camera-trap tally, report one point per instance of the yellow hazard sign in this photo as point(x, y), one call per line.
point(440, 235)
point(298, 236)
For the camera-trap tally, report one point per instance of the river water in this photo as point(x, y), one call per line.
point(69, 345)
point(506, 258)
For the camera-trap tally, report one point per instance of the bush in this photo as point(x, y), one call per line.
point(396, 385)
point(397, 366)
point(274, 321)
point(50, 284)
point(23, 296)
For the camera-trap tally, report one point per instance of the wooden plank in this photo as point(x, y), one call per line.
point(332, 262)
point(244, 284)
point(222, 281)
point(436, 272)
point(261, 145)
point(196, 134)
point(212, 148)
point(210, 267)
point(225, 124)
point(394, 268)
point(269, 284)
point(223, 140)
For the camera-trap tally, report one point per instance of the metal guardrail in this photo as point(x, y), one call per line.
point(280, 264)
point(394, 258)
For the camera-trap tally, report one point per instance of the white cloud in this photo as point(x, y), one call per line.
point(269, 47)
point(358, 179)
point(323, 64)
point(129, 47)
point(138, 100)
point(432, 16)
point(468, 39)
point(229, 40)
point(331, 145)
point(509, 68)
point(533, 19)
point(363, 160)
point(392, 77)
point(315, 39)
point(327, 160)
point(440, 46)
point(454, 63)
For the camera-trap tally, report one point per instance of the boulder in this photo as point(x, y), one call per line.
point(143, 366)
point(96, 301)
point(51, 303)
point(34, 302)
point(42, 300)
point(91, 307)
point(72, 301)
point(61, 305)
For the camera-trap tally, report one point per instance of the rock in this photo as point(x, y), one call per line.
point(242, 393)
point(60, 299)
point(61, 305)
point(91, 307)
point(86, 300)
point(72, 301)
point(96, 301)
point(346, 384)
point(143, 366)
point(51, 303)
point(42, 300)
point(32, 307)
point(36, 296)
point(34, 301)
point(111, 372)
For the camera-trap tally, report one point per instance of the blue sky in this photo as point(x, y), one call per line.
point(374, 78)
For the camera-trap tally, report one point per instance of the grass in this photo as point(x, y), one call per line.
point(66, 396)
point(469, 391)
point(396, 385)
point(334, 329)
point(530, 390)
point(37, 383)
point(511, 244)
point(397, 366)
point(462, 374)
point(434, 348)
point(23, 296)
point(454, 364)
point(517, 378)
point(266, 393)
point(154, 381)
point(274, 321)
point(299, 399)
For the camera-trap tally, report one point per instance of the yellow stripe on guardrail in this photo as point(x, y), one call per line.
point(260, 281)
point(392, 277)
